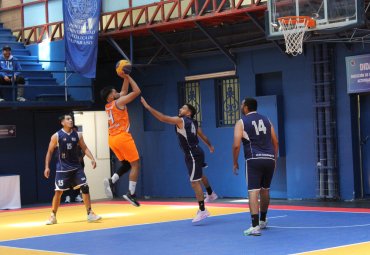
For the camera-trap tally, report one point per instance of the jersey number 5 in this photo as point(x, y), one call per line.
point(260, 128)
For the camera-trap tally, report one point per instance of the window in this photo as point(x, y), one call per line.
point(189, 92)
point(227, 101)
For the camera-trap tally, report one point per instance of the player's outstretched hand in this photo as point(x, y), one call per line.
point(47, 173)
point(236, 168)
point(93, 163)
point(145, 104)
point(211, 149)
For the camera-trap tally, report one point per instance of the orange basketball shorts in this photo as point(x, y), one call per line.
point(123, 146)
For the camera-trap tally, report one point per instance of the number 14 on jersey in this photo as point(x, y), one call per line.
point(260, 128)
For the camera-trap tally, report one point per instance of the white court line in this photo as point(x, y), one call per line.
point(318, 227)
point(27, 249)
point(326, 249)
point(240, 201)
point(275, 217)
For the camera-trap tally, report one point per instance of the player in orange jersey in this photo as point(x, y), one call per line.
point(120, 139)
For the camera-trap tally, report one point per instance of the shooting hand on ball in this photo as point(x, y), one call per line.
point(123, 75)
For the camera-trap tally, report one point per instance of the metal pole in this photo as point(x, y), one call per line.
point(14, 86)
point(359, 144)
point(65, 83)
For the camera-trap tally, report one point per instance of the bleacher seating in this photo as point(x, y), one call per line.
point(29, 64)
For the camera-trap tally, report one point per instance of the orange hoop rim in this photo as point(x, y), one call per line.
point(309, 21)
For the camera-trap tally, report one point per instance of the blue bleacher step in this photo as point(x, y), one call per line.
point(7, 38)
point(13, 45)
point(30, 66)
point(24, 58)
point(41, 81)
point(23, 52)
point(38, 74)
point(5, 31)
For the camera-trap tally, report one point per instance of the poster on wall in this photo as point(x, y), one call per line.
point(7, 131)
point(81, 29)
point(358, 74)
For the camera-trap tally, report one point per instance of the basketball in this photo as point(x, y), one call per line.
point(123, 66)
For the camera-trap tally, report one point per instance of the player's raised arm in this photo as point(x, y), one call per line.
point(53, 143)
point(238, 134)
point(161, 117)
point(86, 150)
point(125, 83)
point(123, 100)
point(205, 139)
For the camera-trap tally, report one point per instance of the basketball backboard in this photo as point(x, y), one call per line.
point(329, 14)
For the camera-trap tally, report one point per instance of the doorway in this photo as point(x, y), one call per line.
point(364, 104)
point(94, 126)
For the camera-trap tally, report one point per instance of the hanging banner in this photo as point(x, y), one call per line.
point(358, 74)
point(81, 30)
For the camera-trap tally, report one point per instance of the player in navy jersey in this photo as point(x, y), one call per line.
point(69, 171)
point(188, 131)
point(260, 151)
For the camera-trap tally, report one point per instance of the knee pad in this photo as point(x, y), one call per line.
point(125, 167)
point(85, 189)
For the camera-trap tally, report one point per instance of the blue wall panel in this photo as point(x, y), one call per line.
point(298, 174)
point(25, 154)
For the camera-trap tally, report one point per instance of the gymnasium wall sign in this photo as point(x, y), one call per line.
point(358, 74)
point(7, 131)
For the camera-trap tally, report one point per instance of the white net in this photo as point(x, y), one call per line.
point(293, 29)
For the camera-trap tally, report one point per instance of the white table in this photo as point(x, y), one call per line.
point(10, 195)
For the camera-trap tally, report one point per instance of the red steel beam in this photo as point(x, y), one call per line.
point(186, 21)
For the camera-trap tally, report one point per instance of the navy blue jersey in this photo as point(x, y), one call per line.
point(68, 151)
point(188, 137)
point(257, 137)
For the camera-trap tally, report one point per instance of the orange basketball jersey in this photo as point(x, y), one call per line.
point(118, 119)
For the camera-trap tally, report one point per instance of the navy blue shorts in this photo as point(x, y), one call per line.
point(195, 163)
point(70, 179)
point(260, 173)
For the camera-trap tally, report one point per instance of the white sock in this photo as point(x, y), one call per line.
point(115, 178)
point(132, 187)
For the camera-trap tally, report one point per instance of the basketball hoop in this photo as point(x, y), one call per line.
point(293, 29)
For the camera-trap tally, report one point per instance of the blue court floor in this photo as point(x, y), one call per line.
point(289, 232)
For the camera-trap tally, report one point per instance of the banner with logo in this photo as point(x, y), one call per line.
point(81, 28)
point(358, 74)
